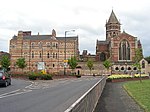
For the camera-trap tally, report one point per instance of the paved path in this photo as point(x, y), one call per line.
point(115, 99)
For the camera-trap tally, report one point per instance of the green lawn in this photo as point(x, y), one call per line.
point(140, 92)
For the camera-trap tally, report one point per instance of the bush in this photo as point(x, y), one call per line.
point(34, 76)
point(46, 77)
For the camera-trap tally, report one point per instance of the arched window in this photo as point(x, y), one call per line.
point(53, 55)
point(32, 45)
point(102, 57)
point(40, 45)
point(143, 64)
point(40, 55)
point(32, 54)
point(124, 50)
point(56, 55)
point(48, 55)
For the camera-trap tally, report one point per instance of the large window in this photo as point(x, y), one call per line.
point(124, 50)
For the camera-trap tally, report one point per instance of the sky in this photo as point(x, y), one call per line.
point(86, 17)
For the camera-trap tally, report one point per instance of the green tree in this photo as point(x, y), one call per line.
point(107, 64)
point(72, 62)
point(21, 63)
point(138, 55)
point(5, 62)
point(90, 65)
point(137, 59)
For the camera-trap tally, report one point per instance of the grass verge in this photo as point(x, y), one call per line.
point(140, 92)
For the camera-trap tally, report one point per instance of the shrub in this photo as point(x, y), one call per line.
point(46, 77)
point(33, 76)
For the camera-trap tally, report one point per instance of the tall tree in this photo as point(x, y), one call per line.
point(90, 65)
point(137, 59)
point(5, 62)
point(138, 55)
point(107, 64)
point(72, 63)
point(21, 63)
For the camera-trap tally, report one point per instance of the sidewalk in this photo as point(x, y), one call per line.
point(115, 99)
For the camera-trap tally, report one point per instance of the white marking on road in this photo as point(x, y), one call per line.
point(9, 92)
point(26, 91)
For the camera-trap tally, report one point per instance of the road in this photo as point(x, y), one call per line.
point(44, 96)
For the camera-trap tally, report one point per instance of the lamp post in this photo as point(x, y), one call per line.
point(65, 61)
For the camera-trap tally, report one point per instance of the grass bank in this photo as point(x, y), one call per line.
point(140, 92)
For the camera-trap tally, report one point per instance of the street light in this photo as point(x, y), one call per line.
point(65, 61)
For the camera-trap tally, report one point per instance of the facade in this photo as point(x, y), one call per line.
point(119, 46)
point(42, 51)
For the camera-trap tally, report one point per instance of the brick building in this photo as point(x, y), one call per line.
point(119, 46)
point(47, 50)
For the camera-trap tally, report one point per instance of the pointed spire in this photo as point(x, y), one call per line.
point(113, 18)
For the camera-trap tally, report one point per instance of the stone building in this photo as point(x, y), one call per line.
point(119, 46)
point(42, 51)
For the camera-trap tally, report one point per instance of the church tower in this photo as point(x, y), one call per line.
point(112, 26)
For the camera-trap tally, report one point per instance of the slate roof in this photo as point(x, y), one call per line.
point(113, 18)
point(45, 37)
point(102, 42)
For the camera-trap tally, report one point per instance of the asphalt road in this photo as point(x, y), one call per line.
point(44, 96)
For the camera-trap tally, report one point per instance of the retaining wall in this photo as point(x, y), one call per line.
point(88, 101)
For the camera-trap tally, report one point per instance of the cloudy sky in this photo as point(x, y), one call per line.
point(87, 17)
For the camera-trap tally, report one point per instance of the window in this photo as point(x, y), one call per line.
point(124, 50)
point(102, 57)
point(40, 45)
point(48, 45)
point(122, 68)
point(48, 56)
point(32, 45)
point(129, 68)
point(56, 55)
point(143, 64)
point(40, 55)
point(32, 54)
point(117, 68)
point(53, 65)
point(53, 55)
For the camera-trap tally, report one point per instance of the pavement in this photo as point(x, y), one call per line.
point(115, 99)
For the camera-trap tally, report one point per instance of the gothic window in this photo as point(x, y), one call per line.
point(102, 56)
point(143, 64)
point(124, 50)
